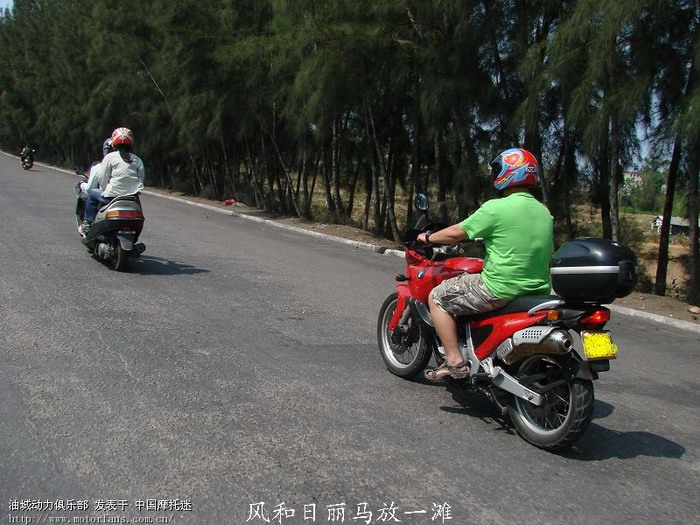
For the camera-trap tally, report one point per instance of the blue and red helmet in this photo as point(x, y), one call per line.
point(515, 167)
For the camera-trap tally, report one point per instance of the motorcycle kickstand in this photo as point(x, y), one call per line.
point(491, 394)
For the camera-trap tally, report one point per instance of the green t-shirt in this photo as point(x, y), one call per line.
point(517, 233)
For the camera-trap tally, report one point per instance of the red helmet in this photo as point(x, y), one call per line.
point(122, 137)
point(515, 167)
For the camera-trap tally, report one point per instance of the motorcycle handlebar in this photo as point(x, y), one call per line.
point(412, 245)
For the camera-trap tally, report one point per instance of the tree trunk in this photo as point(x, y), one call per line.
point(313, 187)
point(556, 187)
point(665, 232)
point(327, 183)
point(694, 173)
point(615, 180)
point(301, 176)
point(388, 193)
point(603, 164)
point(570, 180)
point(335, 175)
point(416, 182)
point(442, 193)
point(351, 190)
point(374, 171)
point(470, 168)
point(258, 189)
point(533, 140)
point(368, 196)
point(287, 193)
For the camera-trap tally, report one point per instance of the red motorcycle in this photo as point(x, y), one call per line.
point(538, 356)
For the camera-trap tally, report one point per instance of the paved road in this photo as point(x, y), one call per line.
point(234, 370)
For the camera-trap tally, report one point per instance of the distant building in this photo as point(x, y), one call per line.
point(679, 226)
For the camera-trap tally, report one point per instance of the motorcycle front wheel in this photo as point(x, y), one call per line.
point(567, 409)
point(410, 357)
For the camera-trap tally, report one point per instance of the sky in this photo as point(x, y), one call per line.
point(5, 3)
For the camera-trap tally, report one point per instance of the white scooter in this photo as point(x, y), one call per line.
point(113, 235)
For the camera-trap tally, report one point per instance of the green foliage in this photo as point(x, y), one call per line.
point(287, 103)
point(644, 192)
point(226, 79)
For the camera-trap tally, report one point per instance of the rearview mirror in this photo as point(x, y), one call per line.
point(421, 201)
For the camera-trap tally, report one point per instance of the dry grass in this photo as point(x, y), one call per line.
point(644, 241)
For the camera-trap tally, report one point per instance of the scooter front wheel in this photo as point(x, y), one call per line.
point(408, 357)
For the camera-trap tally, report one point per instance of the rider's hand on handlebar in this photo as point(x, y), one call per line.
point(423, 238)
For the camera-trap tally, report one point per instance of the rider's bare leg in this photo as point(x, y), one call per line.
point(446, 328)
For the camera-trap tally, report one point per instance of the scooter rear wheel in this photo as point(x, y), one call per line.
point(121, 259)
point(409, 358)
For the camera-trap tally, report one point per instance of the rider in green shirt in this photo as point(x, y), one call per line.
point(517, 234)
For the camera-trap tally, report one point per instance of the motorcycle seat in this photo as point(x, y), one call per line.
point(110, 200)
point(134, 198)
point(521, 304)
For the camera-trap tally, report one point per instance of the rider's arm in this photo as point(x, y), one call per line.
point(141, 175)
point(103, 173)
point(92, 181)
point(449, 235)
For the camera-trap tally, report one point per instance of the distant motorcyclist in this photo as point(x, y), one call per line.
point(26, 153)
point(120, 173)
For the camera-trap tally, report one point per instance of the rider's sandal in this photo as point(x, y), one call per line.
point(445, 370)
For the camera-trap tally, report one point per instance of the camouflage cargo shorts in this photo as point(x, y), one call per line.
point(465, 295)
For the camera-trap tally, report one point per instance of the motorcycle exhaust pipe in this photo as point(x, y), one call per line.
point(549, 342)
point(559, 339)
point(139, 248)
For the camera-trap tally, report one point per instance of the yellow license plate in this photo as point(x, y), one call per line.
point(598, 345)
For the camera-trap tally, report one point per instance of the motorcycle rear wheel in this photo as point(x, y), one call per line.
point(567, 410)
point(401, 360)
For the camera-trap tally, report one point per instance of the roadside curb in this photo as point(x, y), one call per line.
point(398, 253)
point(355, 244)
point(677, 323)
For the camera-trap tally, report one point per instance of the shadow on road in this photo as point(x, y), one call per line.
point(600, 443)
point(602, 409)
point(476, 405)
point(597, 444)
point(146, 265)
